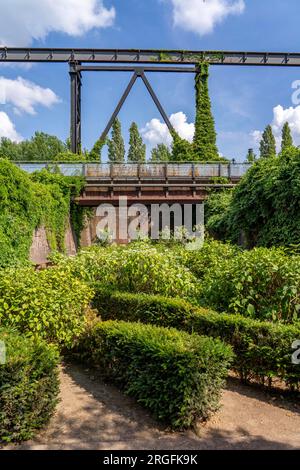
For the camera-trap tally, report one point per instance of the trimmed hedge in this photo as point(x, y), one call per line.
point(175, 375)
point(29, 386)
point(263, 350)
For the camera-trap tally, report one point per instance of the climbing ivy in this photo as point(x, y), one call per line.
point(204, 144)
point(264, 208)
point(28, 202)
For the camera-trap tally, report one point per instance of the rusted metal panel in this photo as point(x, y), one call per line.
point(179, 170)
point(126, 170)
point(206, 169)
point(152, 170)
point(97, 170)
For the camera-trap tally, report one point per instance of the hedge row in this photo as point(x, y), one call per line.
point(262, 350)
point(177, 376)
point(28, 385)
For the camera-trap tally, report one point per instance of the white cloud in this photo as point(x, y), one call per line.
point(156, 132)
point(7, 128)
point(22, 21)
point(280, 116)
point(201, 16)
point(25, 95)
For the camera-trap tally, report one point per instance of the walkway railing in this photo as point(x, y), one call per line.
point(142, 171)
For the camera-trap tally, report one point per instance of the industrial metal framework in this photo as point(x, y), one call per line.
point(140, 61)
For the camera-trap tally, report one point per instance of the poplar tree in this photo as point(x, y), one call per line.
point(251, 157)
point(116, 147)
point(137, 148)
point(204, 144)
point(161, 153)
point(268, 144)
point(287, 140)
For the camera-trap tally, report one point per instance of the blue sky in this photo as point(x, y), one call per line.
point(244, 100)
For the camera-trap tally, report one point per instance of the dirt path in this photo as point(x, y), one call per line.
point(93, 415)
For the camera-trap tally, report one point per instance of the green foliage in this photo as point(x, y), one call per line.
point(41, 147)
point(161, 153)
point(251, 157)
point(204, 145)
point(137, 149)
point(177, 376)
point(70, 157)
point(138, 267)
point(262, 349)
point(181, 149)
point(265, 204)
point(216, 206)
point(95, 153)
point(28, 386)
point(116, 147)
point(261, 283)
point(268, 143)
point(28, 202)
point(50, 304)
point(287, 140)
point(208, 257)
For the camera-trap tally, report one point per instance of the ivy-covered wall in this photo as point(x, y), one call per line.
point(31, 201)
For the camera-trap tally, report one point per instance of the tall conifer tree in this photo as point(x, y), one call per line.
point(268, 143)
point(287, 139)
point(137, 148)
point(116, 147)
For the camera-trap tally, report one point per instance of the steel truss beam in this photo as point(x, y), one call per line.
point(153, 56)
point(138, 72)
point(75, 130)
point(165, 58)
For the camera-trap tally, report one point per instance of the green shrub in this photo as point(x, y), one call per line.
point(139, 267)
point(261, 283)
point(30, 201)
point(265, 204)
point(28, 386)
point(263, 350)
point(208, 257)
point(176, 375)
point(50, 304)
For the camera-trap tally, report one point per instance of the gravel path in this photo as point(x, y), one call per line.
point(93, 415)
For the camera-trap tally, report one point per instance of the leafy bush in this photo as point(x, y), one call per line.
point(262, 349)
point(138, 267)
point(50, 304)
point(209, 256)
point(215, 207)
point(265, 205)
point(28, 386)
point(261, 283)
point(176, 375)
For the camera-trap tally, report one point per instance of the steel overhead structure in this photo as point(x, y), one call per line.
point(141, 61)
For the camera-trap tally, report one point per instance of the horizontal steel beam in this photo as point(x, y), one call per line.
point(132, 68)
point(155, 185)
point(11, 54)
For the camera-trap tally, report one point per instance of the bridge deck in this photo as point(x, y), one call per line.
point(146, 182)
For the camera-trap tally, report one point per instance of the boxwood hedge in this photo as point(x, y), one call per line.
point(262, 349)
point(177, 376)
point(28, 385)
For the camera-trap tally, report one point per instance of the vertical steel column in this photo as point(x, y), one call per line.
point(75, 129)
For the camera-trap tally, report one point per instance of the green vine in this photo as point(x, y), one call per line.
point(31, 201)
